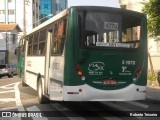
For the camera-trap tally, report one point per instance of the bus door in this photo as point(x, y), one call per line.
point(56, 64)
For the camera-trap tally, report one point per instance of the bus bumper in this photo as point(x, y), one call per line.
point(88, 93)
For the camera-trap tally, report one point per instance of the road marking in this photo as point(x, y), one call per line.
point(18, 98)
point(63, 109)
point(6, 86)
point(35, 108)
point(7, 91)
point(7, 99)
point(8, 108)
point(138, 104)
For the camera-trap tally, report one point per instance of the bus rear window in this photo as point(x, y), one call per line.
point(110, 30)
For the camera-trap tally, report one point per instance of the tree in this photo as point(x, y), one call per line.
point(152, 9)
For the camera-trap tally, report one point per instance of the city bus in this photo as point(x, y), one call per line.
point(88, 53)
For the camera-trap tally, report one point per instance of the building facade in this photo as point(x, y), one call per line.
point(8, 40)
point(58, 6)
point(45, 9)
point(13, 12)
point(50, 8)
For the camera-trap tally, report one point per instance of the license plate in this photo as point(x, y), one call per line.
point(109, 82)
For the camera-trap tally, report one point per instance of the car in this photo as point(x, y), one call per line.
point(158, 77)
point(8, 70)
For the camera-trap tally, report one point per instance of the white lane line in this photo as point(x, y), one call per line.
point(138, 104)
point(18, 98)
point(7, 91)
point(7, 88)
point(63, 109)
point(7, 99)
point(36, 109)
point(7, 85)
point(8, 108)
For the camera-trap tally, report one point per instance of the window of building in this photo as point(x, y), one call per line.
point(13, 38)
point(11, 12)
point(59, 36)
point(2, 11)
point(46, 6)
point(9, 1)
point(33, 13)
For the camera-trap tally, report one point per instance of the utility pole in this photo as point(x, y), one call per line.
point(6, 56)
point(24, 17)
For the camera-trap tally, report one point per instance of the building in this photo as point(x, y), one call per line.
point(32, 14)
point(45, 10)
point(12, 14)
point(153, 43)
point(8, 39)
point(58, 6)
point(50, 8)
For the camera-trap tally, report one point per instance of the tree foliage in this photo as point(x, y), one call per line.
point(152, 9)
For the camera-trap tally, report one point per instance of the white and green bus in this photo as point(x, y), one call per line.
point(88, 53)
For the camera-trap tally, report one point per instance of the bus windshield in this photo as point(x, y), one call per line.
point(109, 30)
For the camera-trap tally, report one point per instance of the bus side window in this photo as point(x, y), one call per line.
point(35, 43)
point(59, 36)
point(30, 45)
point(42, 42)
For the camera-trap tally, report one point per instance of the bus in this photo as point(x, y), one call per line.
point(88, 53)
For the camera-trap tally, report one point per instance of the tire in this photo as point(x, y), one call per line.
point(41, 98)
point(10, 75)
point(23, 83)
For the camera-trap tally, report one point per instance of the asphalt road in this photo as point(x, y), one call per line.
point(15, 98)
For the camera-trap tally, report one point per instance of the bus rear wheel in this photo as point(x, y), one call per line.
point(42, 99)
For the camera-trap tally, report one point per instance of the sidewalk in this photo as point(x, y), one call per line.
point(153, 91)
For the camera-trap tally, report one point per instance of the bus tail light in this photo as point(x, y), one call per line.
point(79, 71)
point(137, 74)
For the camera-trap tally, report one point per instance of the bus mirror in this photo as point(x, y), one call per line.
point(83, 55)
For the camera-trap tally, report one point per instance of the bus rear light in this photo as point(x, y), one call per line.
point(138, 72)
point(80, 73)
point(77, 67)
point(140, 69)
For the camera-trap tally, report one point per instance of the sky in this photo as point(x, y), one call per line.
point(108, 3)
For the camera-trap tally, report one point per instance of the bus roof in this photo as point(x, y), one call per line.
point(65, 12)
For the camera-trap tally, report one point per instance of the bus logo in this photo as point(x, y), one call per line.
point(96, 68)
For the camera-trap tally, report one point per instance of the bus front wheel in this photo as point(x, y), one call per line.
point(42, 99)
point(23, 83)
